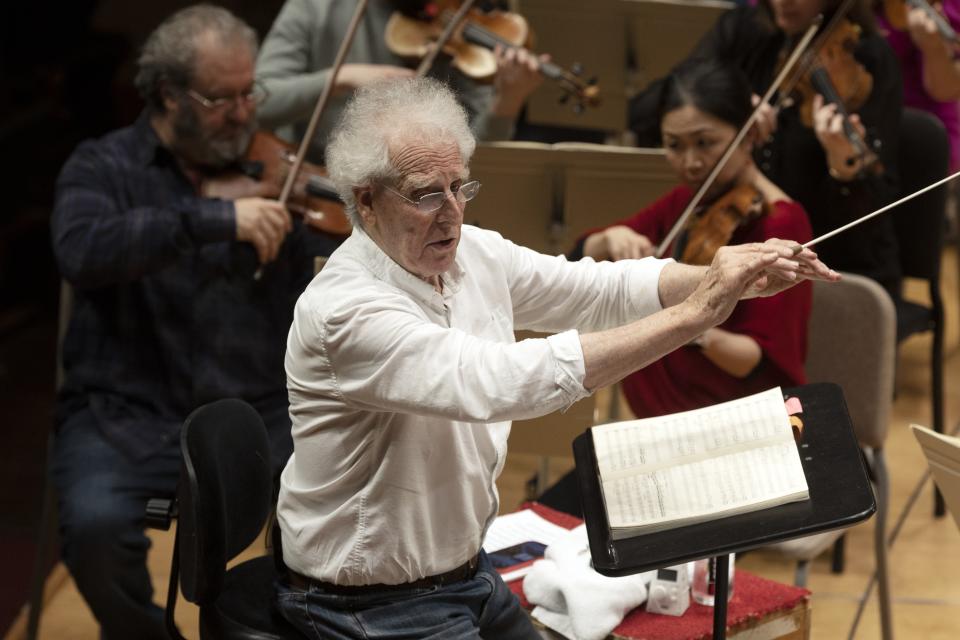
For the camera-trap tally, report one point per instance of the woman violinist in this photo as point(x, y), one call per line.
point(928, 60)
point(762, 344)
point(818, 165)
point(703, 105)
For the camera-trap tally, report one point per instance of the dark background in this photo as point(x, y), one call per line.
point(66, 71)
point(66, 74)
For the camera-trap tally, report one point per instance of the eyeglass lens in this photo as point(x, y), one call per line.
point(256, 95)
point(432, 201)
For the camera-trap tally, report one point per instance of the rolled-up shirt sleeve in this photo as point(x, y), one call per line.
point(570, 369)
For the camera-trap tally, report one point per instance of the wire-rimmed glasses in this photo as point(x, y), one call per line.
point(430, 202)
point(253, 96)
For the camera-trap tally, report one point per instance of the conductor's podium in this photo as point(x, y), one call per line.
point(759, 609)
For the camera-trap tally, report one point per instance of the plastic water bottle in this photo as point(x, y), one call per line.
point(704, 583)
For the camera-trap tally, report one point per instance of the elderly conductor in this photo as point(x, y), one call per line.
point(404, 374)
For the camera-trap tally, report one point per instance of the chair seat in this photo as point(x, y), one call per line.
point(807, 547)
point(913, 318)
point(245, 609)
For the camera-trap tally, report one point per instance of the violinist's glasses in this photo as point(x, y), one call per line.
point(430, 202)
point(253, 96)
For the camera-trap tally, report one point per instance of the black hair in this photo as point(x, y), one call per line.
point(859, 12)
point(719, 89)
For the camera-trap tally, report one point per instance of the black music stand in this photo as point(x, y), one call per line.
point(840, 496)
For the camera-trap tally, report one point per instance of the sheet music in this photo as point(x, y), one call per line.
point(518, 527)
point(724, 459)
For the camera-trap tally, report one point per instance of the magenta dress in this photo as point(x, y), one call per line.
point(911, 67)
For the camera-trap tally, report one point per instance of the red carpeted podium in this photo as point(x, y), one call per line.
point(759, 607)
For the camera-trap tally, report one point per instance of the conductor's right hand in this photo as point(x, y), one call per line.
point(264, 224)
point(748, 270)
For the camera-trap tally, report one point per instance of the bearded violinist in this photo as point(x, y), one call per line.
point(167, 313)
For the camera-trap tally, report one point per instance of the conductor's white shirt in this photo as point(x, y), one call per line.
point(401, 397)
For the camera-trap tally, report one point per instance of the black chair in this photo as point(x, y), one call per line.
point(223, 499)
point(924, 157)
point(47, 528)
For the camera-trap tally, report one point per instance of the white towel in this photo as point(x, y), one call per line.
point(575, 600)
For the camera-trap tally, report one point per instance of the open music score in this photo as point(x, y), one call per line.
point(684, 468)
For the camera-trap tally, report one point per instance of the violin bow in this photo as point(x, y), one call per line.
point(874, 214)
point(732, 147)
point(317, 112)
point(322, 102)
point(427, 63)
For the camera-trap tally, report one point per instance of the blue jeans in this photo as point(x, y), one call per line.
point(102, 502)
point(479, 607)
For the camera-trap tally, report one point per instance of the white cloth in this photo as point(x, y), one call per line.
point(401, 397)
point(575, 600)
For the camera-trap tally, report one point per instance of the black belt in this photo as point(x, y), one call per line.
point(463, 572)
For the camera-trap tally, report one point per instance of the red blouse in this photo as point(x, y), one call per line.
point(686, 379)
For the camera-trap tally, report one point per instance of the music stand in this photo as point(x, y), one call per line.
point(943, 458)
point(840, 496)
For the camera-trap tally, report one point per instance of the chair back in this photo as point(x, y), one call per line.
point(224, 494)
point(64, 310)
point(923, 157)
point(851, 342)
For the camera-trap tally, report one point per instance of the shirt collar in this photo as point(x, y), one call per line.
point(149, 149)
point(387, 270)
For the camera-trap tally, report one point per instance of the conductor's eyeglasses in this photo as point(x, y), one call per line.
point(430, 202)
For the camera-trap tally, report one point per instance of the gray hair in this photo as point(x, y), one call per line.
point(391, 112)
point(170, 51)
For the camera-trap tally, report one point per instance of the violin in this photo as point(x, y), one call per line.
point(472, 42)
point(262, 173)
point(833, 72)
point(896, 13)
point(715, 226)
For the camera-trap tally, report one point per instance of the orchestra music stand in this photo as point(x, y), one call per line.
point(840, 496)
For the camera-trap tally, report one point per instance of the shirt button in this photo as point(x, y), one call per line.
point(767, 152)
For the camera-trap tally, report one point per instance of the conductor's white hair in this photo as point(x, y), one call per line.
point(391, 114)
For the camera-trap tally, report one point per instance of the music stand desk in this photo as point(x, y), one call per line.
point(840, 496)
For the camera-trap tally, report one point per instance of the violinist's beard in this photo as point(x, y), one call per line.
point(209, 148)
